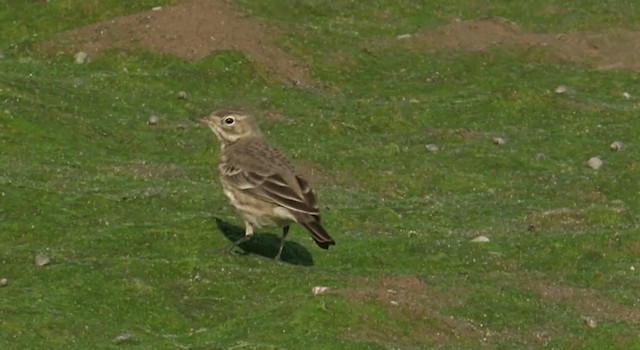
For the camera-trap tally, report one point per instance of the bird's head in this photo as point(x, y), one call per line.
point(230, 125)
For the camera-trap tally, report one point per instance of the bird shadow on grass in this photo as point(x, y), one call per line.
point(266, 245)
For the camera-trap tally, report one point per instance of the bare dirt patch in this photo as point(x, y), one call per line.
point(613, 49)
point(409, 300)
point(191, 30)
point(576, 218)
point(588, 302)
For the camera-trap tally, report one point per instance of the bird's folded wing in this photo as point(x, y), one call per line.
point(294, 194)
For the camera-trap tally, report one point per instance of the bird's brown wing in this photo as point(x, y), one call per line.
point(270, 177)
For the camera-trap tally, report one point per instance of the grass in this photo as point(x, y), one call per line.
point(133, 217)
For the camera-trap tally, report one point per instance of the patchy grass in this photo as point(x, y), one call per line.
point(133, 218)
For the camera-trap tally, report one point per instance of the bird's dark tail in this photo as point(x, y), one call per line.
point(318, 233)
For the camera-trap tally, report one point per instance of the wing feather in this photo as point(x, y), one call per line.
point(275, 182)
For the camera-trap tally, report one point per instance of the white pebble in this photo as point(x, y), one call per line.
point(42, 259)
point(182, 95)
point(432, 147)
point(616, 146)
point(590, 322)
point(403, 36)
point(632, 268)
point(480, 239)
point(561, 89)
point(394, 303)
point(124, 337)
point(499, 141)
point(80, 57)
point(594, 163)
point(317, 290)
point(153, 120)
point(4, 282)
point(626, 95)
point(157, 8)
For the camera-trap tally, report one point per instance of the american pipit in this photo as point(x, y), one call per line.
point(260, 182)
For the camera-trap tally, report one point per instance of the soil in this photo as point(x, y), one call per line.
point(191, 30)
point(197, 28)
point(411, 300)
point(614, 49)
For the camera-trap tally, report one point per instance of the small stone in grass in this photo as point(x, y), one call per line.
point(182, 95)
point(561, 89)
point(594, 163)
point(499, 141)
point(616, 146)
point(153, 120)
point(432, 147)
point(626, 95)
point(42, 259)
point(480, 239)
point(590, 322)
point(4, 282)
point(80, 57)
point(317, 290)
point(122, 338)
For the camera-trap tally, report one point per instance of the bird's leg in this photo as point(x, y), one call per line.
point(285, 231)
point(248, 233)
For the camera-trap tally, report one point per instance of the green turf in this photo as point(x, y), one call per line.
point(133, 217)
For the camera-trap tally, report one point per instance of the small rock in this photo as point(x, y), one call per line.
point(317, 290)
point(632, 268)
point(616, 146)
point(626, 95)
point(394, 303)
point(561, 89)
point(80, 57)
point(182, 95)
point(590, 322)
point(4, 282)
point(157, 8)
point(594, 163)
point(499, 141)
point(432, 147)
point(42, 259)
point(480, 239)
point(122, 338)
point(153, 120)
point(403, 36)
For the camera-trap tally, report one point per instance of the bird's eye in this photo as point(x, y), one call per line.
point(229, 120)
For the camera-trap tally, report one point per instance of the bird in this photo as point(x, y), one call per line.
point(260, 182)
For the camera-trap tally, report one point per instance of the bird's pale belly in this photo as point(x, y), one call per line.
point(258, 212)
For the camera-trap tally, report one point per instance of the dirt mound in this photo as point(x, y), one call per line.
point(191, 30)
point(197, 28)
point(613, 49)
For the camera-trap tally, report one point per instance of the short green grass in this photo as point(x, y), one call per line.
point(133, 217)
